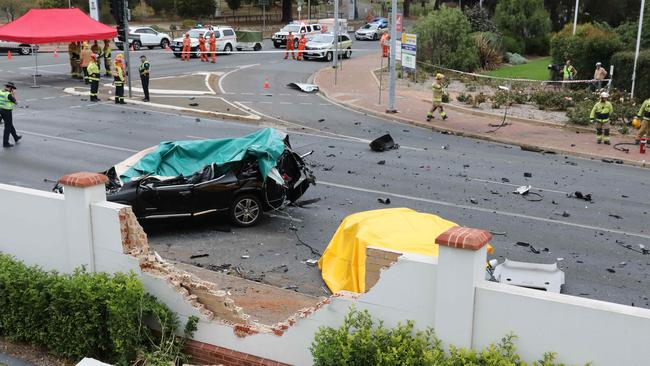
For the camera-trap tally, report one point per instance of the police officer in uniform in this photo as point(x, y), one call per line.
point(7, 102)
point(144, 76)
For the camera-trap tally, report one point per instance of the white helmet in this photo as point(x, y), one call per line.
point(604, 95)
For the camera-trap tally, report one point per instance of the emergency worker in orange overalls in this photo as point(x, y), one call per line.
point(301, 46)
point(213, 48)
point(289, 47)
point(202, 49)
point(384, 44)
point(187, 45)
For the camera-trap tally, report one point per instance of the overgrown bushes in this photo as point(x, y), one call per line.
point(490, 52)
point(444, 39)
point(85, 315)
point(362, 341)
point(525, 25)
point(623, 65)
point(592, 43)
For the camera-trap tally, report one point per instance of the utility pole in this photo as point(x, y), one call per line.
point(638, 45)
point(126, 45)
point(391, 58)
point(336, 39)
point(575, 17)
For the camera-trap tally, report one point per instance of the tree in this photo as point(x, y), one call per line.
point(15, 8)
point(444, 40)
point(287, 11)
point(196, 8)
point(479, 19)
point(525, 21)
point(143, 10)
point(233, 5)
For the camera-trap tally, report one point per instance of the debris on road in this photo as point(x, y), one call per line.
point(534, 250)
point(563, 214)
point(381, 162)
point(304, 87)
point(384, 201)
point(220, 268)
point(383, 143)
point(328, 168)
point(523, 244)
point(199, 256)
point(194, 104)
point(445, 147)
point(505, 180)
point(642, 249)
point(498, 232)
point(473, 200)
point(245, 256)
point(321, 120)
point(311, 262)
point(611, 270)
point(579, 195)
point(532, 275)
point(528, 175)
point(522, 190)
point(525, 192)
point(281, 268)
point(304, 203)
point(618, 217)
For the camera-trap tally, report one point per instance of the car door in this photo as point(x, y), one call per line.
point(173, 199)
point(215, 194)
point(149, 37)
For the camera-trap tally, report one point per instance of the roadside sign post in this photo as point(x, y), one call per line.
point(336, 39)
point(391, 60)
point(126, 47)
point(409, 53)
point(264, 4)
point(94, 9)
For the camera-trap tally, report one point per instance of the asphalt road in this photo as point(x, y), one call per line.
point(464, 180)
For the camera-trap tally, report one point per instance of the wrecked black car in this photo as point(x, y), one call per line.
point(240, 176)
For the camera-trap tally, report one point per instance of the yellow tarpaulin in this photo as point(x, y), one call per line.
point(343, 264)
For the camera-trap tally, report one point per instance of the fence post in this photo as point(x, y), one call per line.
point(81, 190)
point(461, 265)
point(611, 78)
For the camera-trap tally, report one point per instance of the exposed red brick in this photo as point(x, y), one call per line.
point(204, 353)
point(83, 179)
point(464, 238)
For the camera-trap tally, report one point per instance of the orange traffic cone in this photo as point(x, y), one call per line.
point(132, 47)
point(9, 55)
point(267, 85)
point(56, 53)
point(167, 47)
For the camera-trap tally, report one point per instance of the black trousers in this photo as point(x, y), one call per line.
point(7, 117)
point(85, 71)
point(145, 86)
point(119, 93)
point(94, 88)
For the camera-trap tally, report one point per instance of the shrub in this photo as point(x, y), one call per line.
point(514, 45)
point(196, 8)
point(489, 49)
point(624, 108)
point(592, 43)
point(623, 65)
point(143, 11)
point(82, 314)
point(479, 19)
point(515, 59)
point(553, 100)
point(362, 341)
point(444, 40)
point(188, 24)
point(524, 20)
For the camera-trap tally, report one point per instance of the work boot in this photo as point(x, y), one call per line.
point(429, 117)
point(444, 117)
point(599, 142)
point(18, 138)
point(7, 145)
point(607, 142)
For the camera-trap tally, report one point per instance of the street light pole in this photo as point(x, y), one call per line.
point(575, 17)
point(127, 72)
point(391, 58)
point(638, 44)
point(336, 38)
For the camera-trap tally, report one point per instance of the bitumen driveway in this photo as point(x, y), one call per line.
point(465, 180)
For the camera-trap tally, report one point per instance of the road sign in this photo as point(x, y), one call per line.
point(265, 2)
point(398, 50)
point(398, 23)
point(409, 51)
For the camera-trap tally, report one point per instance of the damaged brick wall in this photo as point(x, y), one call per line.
point(376, 260)
point(207, 354)
point(134, 239)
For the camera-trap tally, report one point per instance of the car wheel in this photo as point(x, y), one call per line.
point(25, 50)
point(329, 56)
point(136, 45)
point(164, 43)
point(295, 44)
point(121, 48)
point(177, 54)
point(277, 45)
point(150, 47)
point(227, 48)
point(197, 53)
point(258, 47)
point(348, 53)
point(246, 210)
point(375, 37)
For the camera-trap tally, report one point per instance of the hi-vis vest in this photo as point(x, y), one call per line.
point(5, 103)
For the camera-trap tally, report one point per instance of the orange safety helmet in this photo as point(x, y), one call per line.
point(636, 123)
point(119, 58)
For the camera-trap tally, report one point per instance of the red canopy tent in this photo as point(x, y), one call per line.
point(40, 26)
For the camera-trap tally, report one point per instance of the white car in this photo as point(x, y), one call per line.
point(371, 31)
point(322, 47)
point(145, 37)
point(226, 40)
point(309, 30)
point(20, 48)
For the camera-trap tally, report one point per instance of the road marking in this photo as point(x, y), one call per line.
point(484, 210)
point(516, 185)
point(79, 141)
point(42, 66)
point(221, 79)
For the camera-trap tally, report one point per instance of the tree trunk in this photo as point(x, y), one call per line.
point(287, 13)
point(407, 6)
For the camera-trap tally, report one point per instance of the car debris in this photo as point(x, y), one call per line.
point(530, 275)
point(381, 162)
point(304, 203)
point(563, 214)
point(383, 143)
point(528, 175)
point(579, 195)
point(618, 217)
point(304, 87)
point(611, 270)
point(245, 256)
point(193, 104)
point(525, 192)
point(311, 262)
point(199, 256)
point(384, 201)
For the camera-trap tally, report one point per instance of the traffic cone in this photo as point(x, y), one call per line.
point(9, 55)
point(267, 85)
point(167, 47)
point(56, 53)
point(132, 47)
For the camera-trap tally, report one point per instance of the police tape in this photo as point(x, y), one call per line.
point(223, 53)
point(513, 79)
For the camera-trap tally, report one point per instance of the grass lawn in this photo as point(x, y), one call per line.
point(536, 69)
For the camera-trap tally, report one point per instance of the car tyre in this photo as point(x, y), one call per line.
point(150, 47)
point(246, 210)
point(227, 48)
point(137, 45)
point(277, 45)
point(258, 47)
point(329, 56)
point(177, 54)
point(25, 50)
point(348, 53)
point(295, 44)
point(375, 37)
point(164, 43)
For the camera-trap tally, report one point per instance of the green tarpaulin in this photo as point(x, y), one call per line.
point(248, 36)
point(174, 158)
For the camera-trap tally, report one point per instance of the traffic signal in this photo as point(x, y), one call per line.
point(117, 10)
point(120, 32)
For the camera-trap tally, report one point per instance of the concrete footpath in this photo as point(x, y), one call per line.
point(358, 88)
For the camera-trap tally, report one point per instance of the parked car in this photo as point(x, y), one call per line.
point(371, 31)
point(309, 30)
point(226, 40)
point(242, 177)
point(20, 48)
point(322, 47)
point(145, 37)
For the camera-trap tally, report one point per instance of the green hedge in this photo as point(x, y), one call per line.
point(592, 43)
point(623, 65)
point(81, 315)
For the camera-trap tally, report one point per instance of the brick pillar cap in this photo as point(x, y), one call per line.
point(464, 238)
point(83, 179)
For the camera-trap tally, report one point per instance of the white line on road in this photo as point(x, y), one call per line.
point(515, 185)
point(230, 72)
point(484, 210)
point(78, 141)
point(42, 66)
